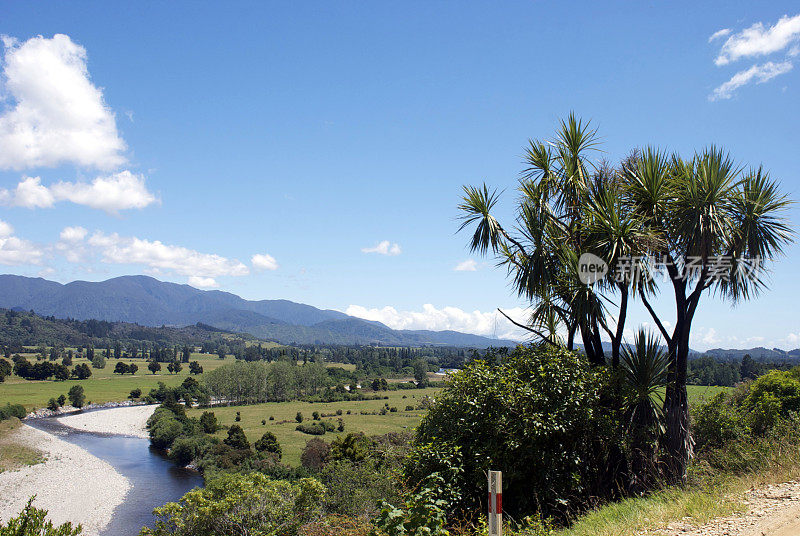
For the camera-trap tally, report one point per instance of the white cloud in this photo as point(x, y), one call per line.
point(71, 244)
point(56, 114)
point(203, 282)
point(384, 248)
point(704, 337)
point(115, 249)
point(758, 40)
point(118, 191)
point(73, 234)
point(29, 193)
point(264, 262)
point(793, 338)
point(758, 73)
point(719, 34)
point(477, 322)
point(468, 265)
point(16, 251)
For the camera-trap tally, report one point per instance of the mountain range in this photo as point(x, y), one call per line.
point(150, 302)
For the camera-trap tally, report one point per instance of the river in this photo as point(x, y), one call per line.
point(154, 479)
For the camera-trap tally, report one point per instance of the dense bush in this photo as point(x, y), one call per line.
point(208, 420)
point(12, 410)
point(315, 454)
point(356, 488)
point(186, 449)
point(268, 443)
point(311, 429)
point(76, 397)
point(33, 521)
point(536, 416)
point(236, 438)
point(241, 504)
point(164, 428)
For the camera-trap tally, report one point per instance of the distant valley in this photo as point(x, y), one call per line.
point(150, 302)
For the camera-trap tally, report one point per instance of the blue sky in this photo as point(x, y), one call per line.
point(181, 139)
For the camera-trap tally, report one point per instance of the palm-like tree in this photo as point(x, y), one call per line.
point(644, 367)
point(713, 224)
point(568, 206)
point(657, 206)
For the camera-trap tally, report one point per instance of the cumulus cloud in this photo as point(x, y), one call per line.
point(758, 73)
point(760, 40)
point(448, 318)
point(29, 193)
point(56, 114)
point(203, 282)
point(16, 251)
point(264, 262)
point(468, 265)
point(73, 234)
point(157, 256)
point(384, 247)
point(112, 193)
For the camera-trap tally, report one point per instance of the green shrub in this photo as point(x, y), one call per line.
point(716, 423)
point(312, 429)
point(236, 438)
point(135, 393)
point(783, 386)
point(356, 488)
point(186, 449)
point(251, 501)
point(208, 420)
point(422, 512)
point(76, 396)
point(12, 410)
point(33, 522)
point(164, 430)
point(536, 415)
point(268, 443)
point(52, 404)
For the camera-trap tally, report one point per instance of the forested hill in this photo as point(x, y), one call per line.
point(149, 302)
point(19, 328)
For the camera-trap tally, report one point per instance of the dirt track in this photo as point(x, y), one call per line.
point(771, 511)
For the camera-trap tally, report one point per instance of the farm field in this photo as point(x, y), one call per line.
point(102, 386)
point(292, 442)
point(700, 393)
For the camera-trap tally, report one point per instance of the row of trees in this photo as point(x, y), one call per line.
point(250, 382)
point(655, 214)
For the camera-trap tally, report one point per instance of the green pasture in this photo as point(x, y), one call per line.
point(292, 442)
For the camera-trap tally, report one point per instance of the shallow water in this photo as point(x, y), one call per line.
point(154, 479)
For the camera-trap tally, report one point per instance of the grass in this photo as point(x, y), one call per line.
point(13, 454)
point(103, 386)
point(292, 442)
point(700, 393)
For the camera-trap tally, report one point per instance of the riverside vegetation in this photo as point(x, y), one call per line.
point(588, 443)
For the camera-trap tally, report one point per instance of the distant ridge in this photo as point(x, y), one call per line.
point(150, 302)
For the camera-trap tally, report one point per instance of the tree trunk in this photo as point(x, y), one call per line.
point(678, 439)
point(616, 342)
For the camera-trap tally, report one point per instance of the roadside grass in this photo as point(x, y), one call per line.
point(103, 386)
point(639, 515)
point(712, 491)
point(293, 442)
point(13, 454)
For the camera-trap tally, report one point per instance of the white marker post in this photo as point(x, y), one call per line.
point(495, 503)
